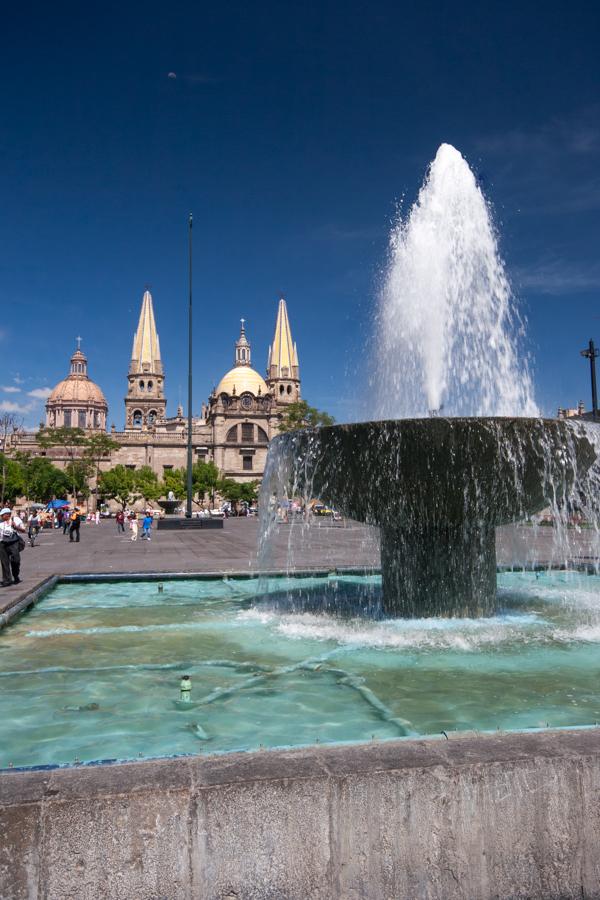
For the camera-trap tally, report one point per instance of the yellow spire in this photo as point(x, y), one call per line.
point(283, 355)
point(145, 355)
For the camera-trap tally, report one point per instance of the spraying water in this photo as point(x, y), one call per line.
point(447, 328)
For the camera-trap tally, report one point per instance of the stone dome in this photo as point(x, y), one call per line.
point(243, 379)
point(77, 400)
point(77, 389)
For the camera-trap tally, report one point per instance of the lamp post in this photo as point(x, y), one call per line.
point(591, 353)
point(188, 507)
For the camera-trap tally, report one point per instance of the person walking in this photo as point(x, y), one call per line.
point(147, 525)
point(75, 526)
point(33, 527)
point(134, 525)
point(66, 520)
point(11, 544)
point(120, 519)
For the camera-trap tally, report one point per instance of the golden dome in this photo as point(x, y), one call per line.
point(77, 389)
point(242, 378)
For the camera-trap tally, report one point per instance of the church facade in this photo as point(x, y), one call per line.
point(242, 413)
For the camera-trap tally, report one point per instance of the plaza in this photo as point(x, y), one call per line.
point(299, 473)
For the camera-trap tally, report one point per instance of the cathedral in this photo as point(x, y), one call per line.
point(236, 424)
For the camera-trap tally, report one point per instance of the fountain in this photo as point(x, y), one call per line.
point(447, 339)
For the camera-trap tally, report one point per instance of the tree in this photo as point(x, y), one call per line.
point(99, 446)
point(301, 415)
point(147, 484)
point(78, 474)
point(236, 491)
point(205, 479)
point(12, 479)
point(9, 423)
point(42, 481)
point(119, 484)
point(174, 482)
point(72, 441)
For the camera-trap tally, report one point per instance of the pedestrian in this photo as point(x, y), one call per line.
point(11, 544)
point(147, 525)
point(59, 518)
point(66, 520)
point(97, 517)
point(33, 527)
point(120, 519)
point(75, 524)
point(133, 524)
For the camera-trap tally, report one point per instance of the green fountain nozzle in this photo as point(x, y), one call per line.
point(185, 687)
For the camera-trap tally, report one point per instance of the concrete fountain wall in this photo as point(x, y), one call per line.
point(515, 815)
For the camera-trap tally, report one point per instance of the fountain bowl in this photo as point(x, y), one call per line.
point(437, 488)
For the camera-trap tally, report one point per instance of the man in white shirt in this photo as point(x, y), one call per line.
point(11, 527)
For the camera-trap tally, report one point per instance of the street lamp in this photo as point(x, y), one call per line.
point(591, 353)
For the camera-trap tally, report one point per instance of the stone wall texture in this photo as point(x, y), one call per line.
point(506, 816)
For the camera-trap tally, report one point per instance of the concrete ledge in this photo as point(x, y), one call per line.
point(507, 815)
point(177, 523)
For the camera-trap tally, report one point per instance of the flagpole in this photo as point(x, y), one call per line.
point(188, 509)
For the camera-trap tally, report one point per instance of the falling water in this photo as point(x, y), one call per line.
point(447, 328)
point(448, 342)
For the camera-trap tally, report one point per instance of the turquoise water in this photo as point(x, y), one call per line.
point(93, 671)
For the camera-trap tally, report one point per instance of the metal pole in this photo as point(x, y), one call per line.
point(593, 355)
point(188, 508)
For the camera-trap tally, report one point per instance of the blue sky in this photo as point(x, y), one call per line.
point(293, 132)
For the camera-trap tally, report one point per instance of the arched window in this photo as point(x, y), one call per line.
point(261, 437)
point(152, 417)
point(242, 354)
point(142, 386)
point(232, 435)
point(281, 389)
point(150, 385)
point(137, 418)
point(289, 389)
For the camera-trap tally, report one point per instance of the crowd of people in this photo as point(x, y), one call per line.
point(14, 529)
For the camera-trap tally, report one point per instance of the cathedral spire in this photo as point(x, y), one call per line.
point(145, 353)
point(283, 354)
point(145, 403)
point(283, 371)
point(242, 347)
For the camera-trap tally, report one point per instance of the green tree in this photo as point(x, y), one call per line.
point(9, 424)
point(78, 474)
point(13, 482)
point(238, 492)
point(147, 484)
point(174, 481)
point(301, 415)
point(72, 441)
point(205, 480)
point(119, 484)
point(99, 447)
point(42, 481)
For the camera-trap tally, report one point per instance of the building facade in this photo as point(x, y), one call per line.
point(242, 413)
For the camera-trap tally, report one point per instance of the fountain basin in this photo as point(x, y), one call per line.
point(437, 488)
point(93, 671)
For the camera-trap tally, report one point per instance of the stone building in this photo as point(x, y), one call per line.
point(76, 402)
point(241, 416)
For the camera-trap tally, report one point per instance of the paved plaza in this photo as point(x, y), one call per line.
point(234, 549)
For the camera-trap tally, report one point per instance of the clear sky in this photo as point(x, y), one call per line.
point(292, 131)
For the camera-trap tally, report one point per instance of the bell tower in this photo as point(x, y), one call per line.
point(145, 403)
point(283, 371)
